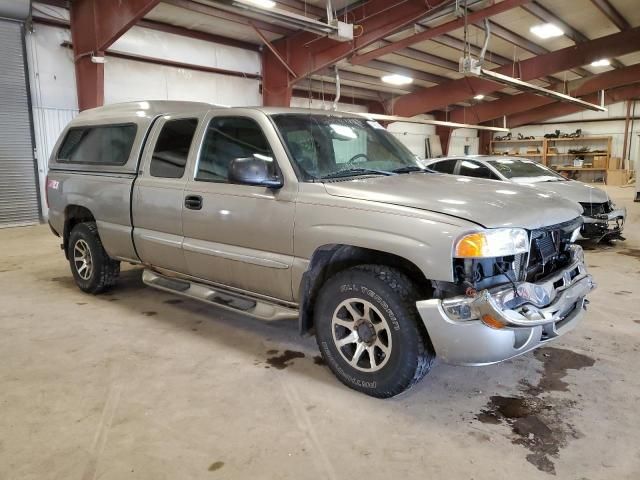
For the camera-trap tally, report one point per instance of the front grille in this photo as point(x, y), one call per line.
point(549, 249)
point(593, 209)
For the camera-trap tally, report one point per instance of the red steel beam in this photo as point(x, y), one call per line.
point(612, 14)
point(472, 17)
point(307, 54)
point(95, 25)
point(484, 112)
point(561, 109)
point(455, 91)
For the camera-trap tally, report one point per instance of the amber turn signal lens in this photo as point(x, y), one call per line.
point(471, 246)
point(492, 322)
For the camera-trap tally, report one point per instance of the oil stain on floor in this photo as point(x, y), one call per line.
point(283, 360)
point(538, 421)
point(216, 466)
point(631, 252)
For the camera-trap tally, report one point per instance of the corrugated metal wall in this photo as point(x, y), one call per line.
point(19, 203)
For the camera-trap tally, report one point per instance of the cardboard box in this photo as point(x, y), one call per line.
point(614, 163)
point(617, 177)
point(600, 161)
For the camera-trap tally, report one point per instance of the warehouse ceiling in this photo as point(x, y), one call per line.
point(432, 62)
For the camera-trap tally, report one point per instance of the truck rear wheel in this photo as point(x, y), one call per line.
point(92, 268)
point(368, 330)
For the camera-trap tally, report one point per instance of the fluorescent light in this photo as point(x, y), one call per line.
point(547, 30)
point(396, 79)
point(478, 97)
point(260, 3)
point(604, 62)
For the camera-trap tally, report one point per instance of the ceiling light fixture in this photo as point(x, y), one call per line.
point(478, 97)
point(394, 118)
point(547, 30)
point(261, 3)
point(604, 62)
point(396, 79)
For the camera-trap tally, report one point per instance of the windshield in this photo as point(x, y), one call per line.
point(525, 170)
point(326, 146)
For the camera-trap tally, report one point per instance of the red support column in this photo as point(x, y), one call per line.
point(276, 88)
point(95, 25)
point(443, 132)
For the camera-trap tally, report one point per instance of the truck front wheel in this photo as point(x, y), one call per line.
point(91, 266)
point(368, 330)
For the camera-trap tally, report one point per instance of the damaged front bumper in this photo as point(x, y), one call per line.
point(604, 226)
point(497, 324)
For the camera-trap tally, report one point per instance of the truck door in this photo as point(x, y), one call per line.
point(158, 193)
point(239, 235)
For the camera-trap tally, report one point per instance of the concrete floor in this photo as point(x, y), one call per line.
point(140, 384)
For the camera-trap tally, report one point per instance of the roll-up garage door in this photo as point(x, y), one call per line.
point(19, 203)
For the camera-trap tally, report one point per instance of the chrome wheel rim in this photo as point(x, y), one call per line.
point(361, 334)
point(82, 259)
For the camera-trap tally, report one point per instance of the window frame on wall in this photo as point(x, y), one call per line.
point(66, 161)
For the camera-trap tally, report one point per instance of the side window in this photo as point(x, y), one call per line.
point(98, 145)
point(172, 148)
point(445, 166)
point(226, 139)
point(475, 169)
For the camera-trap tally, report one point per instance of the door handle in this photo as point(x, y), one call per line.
point(193, 202)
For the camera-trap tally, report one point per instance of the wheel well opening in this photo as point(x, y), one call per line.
point(73, 215)
point(331, 259)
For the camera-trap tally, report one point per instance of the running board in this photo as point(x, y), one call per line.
point(219, 297)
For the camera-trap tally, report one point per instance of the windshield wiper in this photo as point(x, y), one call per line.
point(352, 172)
point(409, 169)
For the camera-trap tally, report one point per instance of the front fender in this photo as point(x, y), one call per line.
point(417, 238)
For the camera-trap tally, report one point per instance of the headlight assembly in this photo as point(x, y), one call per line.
point(495, 242)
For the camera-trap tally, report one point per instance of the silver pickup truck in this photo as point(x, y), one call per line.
point(321, 216)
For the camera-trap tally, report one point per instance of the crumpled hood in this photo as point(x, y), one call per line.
point(486, 202)
point(574, 190)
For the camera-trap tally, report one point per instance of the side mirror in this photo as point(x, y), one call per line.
point(252, 171)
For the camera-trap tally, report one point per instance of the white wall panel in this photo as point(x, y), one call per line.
point(51, 69)
point(167, 46)
point(413, 135)
point(127, 80)
point(53, 92)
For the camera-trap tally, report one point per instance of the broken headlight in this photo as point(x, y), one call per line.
point(493, 242)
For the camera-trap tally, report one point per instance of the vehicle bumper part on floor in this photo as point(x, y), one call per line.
point(496, 324)
point(606, 225)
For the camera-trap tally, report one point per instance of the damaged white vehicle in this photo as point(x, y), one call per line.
point(602, 219)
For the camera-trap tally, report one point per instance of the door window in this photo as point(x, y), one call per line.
point(469, 168)
point(228, 138)
point(445, 166)
point(172, 148)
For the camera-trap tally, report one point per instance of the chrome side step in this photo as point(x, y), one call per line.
point(219, 297)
